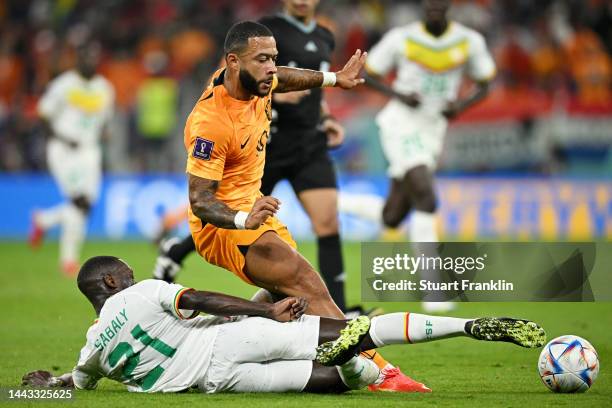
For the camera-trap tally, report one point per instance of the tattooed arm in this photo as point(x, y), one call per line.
point(297, 79)
point(206, 206)
point(211, 210)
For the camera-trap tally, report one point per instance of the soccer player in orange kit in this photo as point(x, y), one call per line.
point(232, 223)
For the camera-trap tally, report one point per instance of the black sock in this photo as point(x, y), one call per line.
point(332, 267)
point(179, 252)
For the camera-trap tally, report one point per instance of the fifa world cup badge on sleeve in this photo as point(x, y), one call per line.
point(203, 148)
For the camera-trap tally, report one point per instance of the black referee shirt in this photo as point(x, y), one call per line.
point(294, 126)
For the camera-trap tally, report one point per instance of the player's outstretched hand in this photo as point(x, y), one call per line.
point(348, 77)
point(38, 378)
point(263, 208)
point(288, 309)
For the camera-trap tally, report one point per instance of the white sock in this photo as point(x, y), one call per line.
point(359, 372)
point(422, 230)
point(51, 217)
point(401, 328)
point(73, 234)
point(422, 227)
point(366, 206)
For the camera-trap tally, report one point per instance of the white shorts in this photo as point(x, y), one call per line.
point(261, 355)
point(76, 171)
point(410, 138)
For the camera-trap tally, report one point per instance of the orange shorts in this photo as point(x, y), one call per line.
point(222, 247)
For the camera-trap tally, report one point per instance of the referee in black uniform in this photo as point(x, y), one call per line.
point(301, 133)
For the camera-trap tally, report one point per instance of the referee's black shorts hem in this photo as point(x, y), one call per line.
point(315, 172)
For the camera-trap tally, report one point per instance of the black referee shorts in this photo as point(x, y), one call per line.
point(304, 173)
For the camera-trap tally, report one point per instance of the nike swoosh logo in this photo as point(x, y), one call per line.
point(245, 142)
point(357, 375)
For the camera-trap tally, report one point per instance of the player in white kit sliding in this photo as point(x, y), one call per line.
point(430, 58)
point(148, 336)
point(75, 109)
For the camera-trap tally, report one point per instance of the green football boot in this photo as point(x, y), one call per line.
point(341, 350)
point(522, 332)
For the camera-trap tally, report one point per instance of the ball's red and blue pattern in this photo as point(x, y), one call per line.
point(568, 364)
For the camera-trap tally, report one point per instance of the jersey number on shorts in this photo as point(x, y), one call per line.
point(125, 349)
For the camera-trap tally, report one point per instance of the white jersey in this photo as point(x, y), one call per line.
point(431, 66)
point(144, 341)
point(77, 108)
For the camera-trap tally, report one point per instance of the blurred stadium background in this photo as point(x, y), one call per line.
point(532, 162)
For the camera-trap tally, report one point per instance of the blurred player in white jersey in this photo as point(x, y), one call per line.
point(148, 336)
point(430, 58)
point(75, 109)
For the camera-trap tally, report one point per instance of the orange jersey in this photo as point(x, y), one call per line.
point(225, 140)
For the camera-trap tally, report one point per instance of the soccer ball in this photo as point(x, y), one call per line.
point(568, 364)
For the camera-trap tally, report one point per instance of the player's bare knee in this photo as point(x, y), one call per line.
point(419, 185)
point(326, 225)
point(263, 296)
point(392, 218)
point(82, 203)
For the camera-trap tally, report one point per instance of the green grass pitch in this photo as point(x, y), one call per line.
point(44, 319)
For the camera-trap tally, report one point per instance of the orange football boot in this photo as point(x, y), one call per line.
point(396, 381)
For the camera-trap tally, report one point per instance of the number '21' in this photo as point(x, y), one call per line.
point(125, 349)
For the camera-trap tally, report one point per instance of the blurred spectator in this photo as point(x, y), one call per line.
point(589, 64)
point(156, 113)
point(188, 47)
point(546, 60)
point(126, 73)
point(11, 69)
point(559, 46)
point(475, 14)
point(514, 61)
